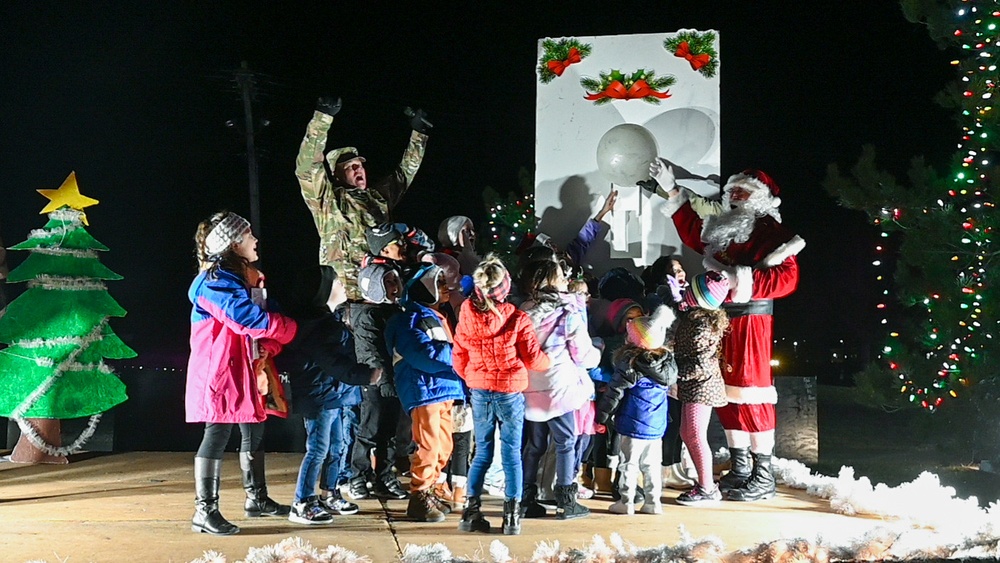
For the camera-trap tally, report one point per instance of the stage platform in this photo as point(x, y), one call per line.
point(137, 507)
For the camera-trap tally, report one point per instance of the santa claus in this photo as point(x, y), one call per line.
point(742, 237)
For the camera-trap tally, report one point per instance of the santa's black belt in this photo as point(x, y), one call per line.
point(757, 307)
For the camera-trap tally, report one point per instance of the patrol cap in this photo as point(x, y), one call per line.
point(349, 156)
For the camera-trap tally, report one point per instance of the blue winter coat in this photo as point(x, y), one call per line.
point(421, 358)
point(637, 395)
point(323, 370)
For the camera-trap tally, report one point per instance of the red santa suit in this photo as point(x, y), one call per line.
point(762, 266)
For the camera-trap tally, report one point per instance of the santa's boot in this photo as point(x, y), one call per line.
point(207, 518)
point(739, 470)
point(760, 486)
point(258, 503)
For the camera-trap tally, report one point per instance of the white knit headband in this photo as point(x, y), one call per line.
point(225, 233)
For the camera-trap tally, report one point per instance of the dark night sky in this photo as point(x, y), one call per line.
point(135, 99)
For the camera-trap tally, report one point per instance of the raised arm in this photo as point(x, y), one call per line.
point(395, 185)
point(309, 167)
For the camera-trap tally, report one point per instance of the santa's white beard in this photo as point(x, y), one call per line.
point(734, 225)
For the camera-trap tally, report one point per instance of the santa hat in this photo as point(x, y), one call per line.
point(707, 290)
point(754, 180)
point(650, 332)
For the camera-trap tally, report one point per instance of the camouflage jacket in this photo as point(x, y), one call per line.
point(341, 213)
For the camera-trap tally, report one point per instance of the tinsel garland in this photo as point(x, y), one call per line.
point(69, 364)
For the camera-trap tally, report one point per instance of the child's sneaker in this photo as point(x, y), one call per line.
point(357, 489)
point(309, 513)
point(583, 493)
point(699, 497)
point(620, 507)
point(337, 503)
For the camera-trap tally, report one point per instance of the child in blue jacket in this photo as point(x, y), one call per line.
point(636, 398)
point(325, 378)
point(420, 340)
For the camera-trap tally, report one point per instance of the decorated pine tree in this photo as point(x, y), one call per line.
point(57, 330)
point(510, 218)
point(939, 301)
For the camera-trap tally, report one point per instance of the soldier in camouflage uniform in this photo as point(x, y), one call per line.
point(344, 206)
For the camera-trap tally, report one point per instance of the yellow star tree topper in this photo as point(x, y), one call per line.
point(68, 195)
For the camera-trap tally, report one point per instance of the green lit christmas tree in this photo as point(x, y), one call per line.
point(938, 232)
point(510, 218)
point(57, 331)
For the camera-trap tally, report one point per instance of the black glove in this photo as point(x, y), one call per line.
point(649, 185)
point(418, 120)
point(328, 105)
point(387, 390)
point(601, 417)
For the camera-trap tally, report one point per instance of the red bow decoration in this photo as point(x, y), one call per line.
point(557, 67)
point(617, 91)
point(697, 61)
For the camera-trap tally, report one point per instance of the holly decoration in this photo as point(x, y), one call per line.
point(697, 48)
point(558, 55)
point(642, 84)
point(57, 331)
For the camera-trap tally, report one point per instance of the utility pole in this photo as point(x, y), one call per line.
point(245, 81)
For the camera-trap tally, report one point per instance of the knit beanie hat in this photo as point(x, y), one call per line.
point(449, 266)
point(226, 232)
point(312, 289)
point(422, 287)
point(707, 290)
point(618, 283)
point(450, 230)
point(415, 237)
point(617, 311)
point(371, 281)
point(650, 332)
point(380, 236)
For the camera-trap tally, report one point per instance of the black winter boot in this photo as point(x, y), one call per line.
point(739, 470)
point(207, 518)
point(258, 503)
point(511, 517)
point(568, 508)
point(422, 508)
point(529, 503)
point(472, 517)
point(760, 486)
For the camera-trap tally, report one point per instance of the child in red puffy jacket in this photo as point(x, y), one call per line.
point(495, 346)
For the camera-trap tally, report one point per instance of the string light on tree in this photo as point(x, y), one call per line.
point(510, 220)
point(940, 330)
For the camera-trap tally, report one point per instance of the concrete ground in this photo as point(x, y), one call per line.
point(137, 507)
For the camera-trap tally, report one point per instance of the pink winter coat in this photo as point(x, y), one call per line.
point(560, 321)
point(221, 386)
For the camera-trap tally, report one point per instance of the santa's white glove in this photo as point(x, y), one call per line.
point(663, 174)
